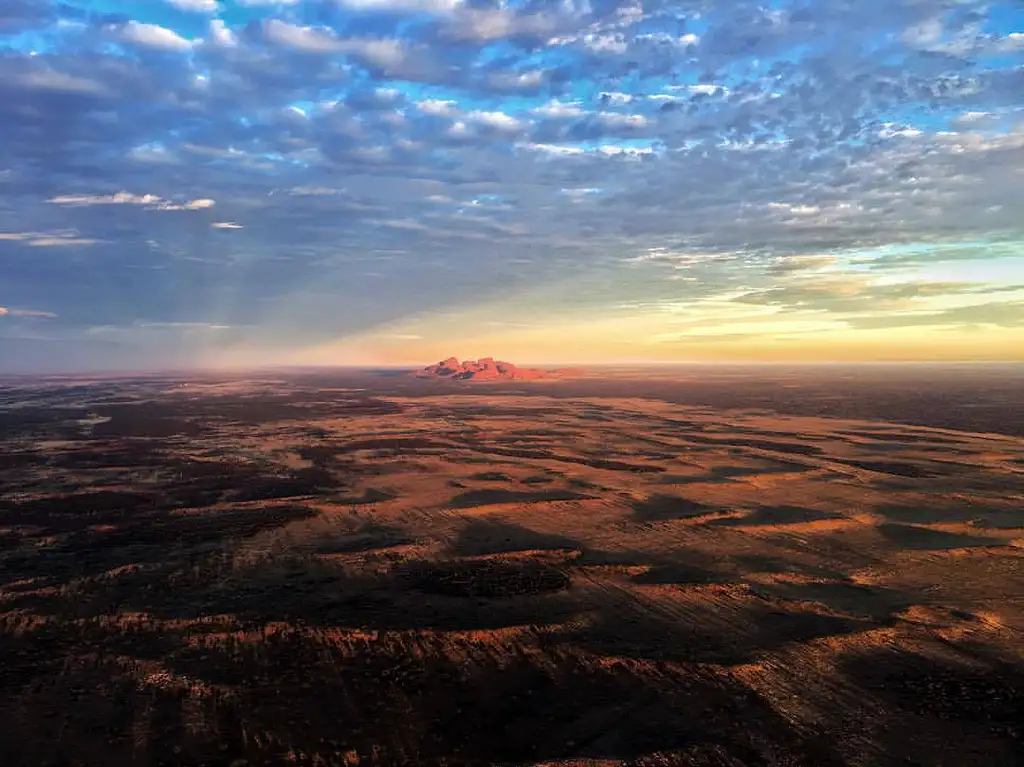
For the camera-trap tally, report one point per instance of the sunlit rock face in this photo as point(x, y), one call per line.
point(487, 369)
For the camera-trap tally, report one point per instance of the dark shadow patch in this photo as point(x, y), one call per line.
point(369, 495)
point(585, 484)
point(724, 634)
point(906, 438)
point(896, 468)
point(248, 410)
point(144, 539)
point(761, 563)
point(205, 483)
point(681, 573)
point(538, 479)
point(491, 476)
point(389, 445)
point(367, 537)
point(141, 424)
point(20, 461)
point(639, 635)
point(484, 578)
point(39, 422)
point(984, 705)
point(518, 709)
point(793, 448)
point(544, 455)
point(777, 515)
point(661, 508)
point(493, 496)
point(687, 479)
point(729, 473)
point(481, 536)
point(927, 539)
point(978, 516)
point(76, 511)
point(1003, 519)
point(923, 515)
point(299, 483)
point(875, 602)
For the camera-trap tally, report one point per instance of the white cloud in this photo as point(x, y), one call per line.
point(497, 120)
point(60, 82)
point(973, 116)
point(599, 43)
point(552, 149)
point(705, 88)
point(154, 36)
point(309, 39)
point(437, 107)
point(558, 109)
point(383, 53)
point(155, 155)
point(200, 204)
point(47, 239)
point(8, 312)
point(1012, 43)
point(314, 191)
point(127, 198)
point(517, 80)
point(221, 35)
point(889, 130)
point(796, 210)
point(616, 120)
point(60, 242)
point(401, 6)
point(488, 25)
point(119, 198)
point(614, 97)
point(196, 6)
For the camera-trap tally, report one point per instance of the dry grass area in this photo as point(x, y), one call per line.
point(271, 572)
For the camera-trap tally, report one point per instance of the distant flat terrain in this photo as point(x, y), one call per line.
point(782, 567)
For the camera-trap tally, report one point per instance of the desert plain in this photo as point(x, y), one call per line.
point(691, 566)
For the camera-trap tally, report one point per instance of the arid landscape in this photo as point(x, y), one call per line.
point(714, 567)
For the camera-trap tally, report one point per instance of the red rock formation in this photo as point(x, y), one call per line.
point(486, 369)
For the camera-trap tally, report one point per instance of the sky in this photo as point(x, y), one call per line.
point(218, 183)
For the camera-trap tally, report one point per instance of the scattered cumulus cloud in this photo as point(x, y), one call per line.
point(301, 171)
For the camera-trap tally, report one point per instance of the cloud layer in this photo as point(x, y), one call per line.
point(190, 181)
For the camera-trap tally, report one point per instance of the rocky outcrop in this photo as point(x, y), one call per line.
point(486, 369)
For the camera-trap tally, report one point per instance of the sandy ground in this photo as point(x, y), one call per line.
point(271, 573)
